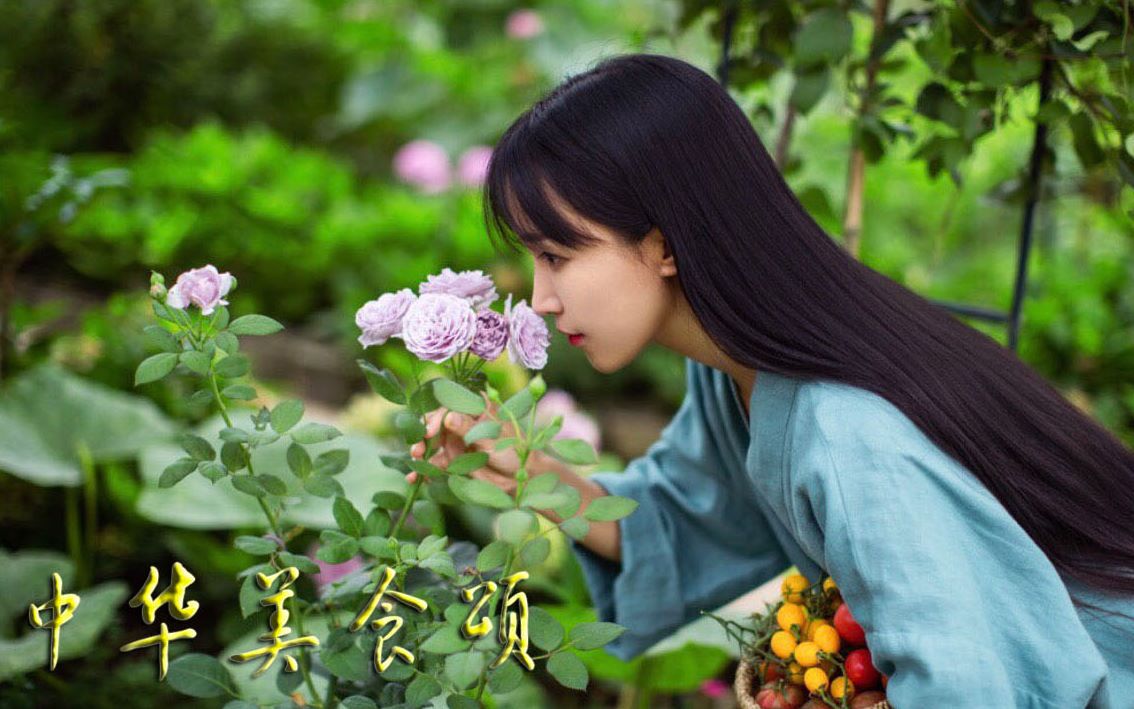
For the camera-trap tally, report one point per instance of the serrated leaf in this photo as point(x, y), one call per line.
point(322, 486)
point(388, 500)
point(520, 403)
point(227, 342)
point(482, 430)
point(505, 678)
point(463, 668)
point(609, 508)
point(589, 636)
point(515, 525)
point(336, 547)
point(332, 462)
point(197, 448)
point(446, 641)
point(467, 462)
point(254, 325)
point(410, 426)
point(177, 471)
point(198, 362)
point(422, 689)
point(573, 450)
point(427, 513)
point(198, 675)
point(163, 339)
point(213, 471)
point(493, 555)
point(299, 461)
point(457, 398)
point(383, 382)
point(299, 561)
point(153, 368)
point(232, 366)
point(286, 414)
point(535, 551)
point(568, 670)
point(544, 631)
point(347, 517)
point(249, 485)
point(271, 484)
point(255, 545)
point(314, 433)
point(440, 564)
point(576, 528)
point(479, 492)
point(233, 435)
point(379, 547)
point(233, 456)
point(377, 523)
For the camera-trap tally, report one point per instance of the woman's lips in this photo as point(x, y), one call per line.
point(575, 339)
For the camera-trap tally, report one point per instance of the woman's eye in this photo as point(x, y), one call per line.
point(551, 259)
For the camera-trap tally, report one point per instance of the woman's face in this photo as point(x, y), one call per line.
point(617, 297)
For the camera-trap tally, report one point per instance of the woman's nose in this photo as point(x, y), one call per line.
point(544, 301)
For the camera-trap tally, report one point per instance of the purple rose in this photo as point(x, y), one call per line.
point(576, 424)
point(528, 338)
point(381, 319)
point(424, 164)
point(472, 166)
point(329, 573)
point(475, 287)
point(203, 287)
point(438, 326)
point(491, 335)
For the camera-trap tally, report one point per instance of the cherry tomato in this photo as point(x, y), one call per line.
point(848, 627)
point(816, 680)
point(860, 669)
point(792, 617)
point(783, 644)
point(867, 700)
point(771, 698)
point(807, 654)
point(793, 587)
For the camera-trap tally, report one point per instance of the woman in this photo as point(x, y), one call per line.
point(980, 527)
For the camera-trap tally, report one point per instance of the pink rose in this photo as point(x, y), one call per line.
point(472, 167)
point(523, 24)
point(203, 287)
point(424, 164)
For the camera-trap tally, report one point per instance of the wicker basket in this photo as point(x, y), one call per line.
point(745, 685)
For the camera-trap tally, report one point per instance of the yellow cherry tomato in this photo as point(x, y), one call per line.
point(813, 625)
point(807, 654)
point(827, 638)
point(840, 687)
point(829, 585)
point(795, 673)
point(783, 644)
point(793, 587)
point(792, 614)
point(815, 680)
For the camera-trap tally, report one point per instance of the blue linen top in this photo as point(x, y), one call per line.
point(960, 607)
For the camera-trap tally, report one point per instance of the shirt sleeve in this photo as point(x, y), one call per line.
point(695, 542)
point(960, 607)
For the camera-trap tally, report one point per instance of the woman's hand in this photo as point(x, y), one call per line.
point(500, 470)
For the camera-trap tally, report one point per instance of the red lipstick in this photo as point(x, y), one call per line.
point(575, 339)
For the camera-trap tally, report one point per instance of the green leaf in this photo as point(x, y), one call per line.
point(377, 523)
point(233, 456)
point(589, 636)
point(383, 382)
point(347, 517)
point(446, 641)
point(824, 36)
point(568, 670)
point(258, 546)
point(153, 368)
point(505, 678)
point(163, 339)
point(571, 506)
point(298, 460)
point(426, 468)
point(271, 484)
point(286, 414)
point(227, 342)
point(609, 508)
point(314, 433)
point(431, 545)
point(809, 88)
point(213, 471)
point(197, 447)
point(232, 366)
point(249, 485)
point(422, 689)
point(231, 434)
point(515, 525)
point(332, 462)
point(520, 403)
point(535, 551)
point(198, 362)
point(464, 668)
point(389, 500)
point(465, 463)
point(457, 398)
point(410, 426)
point(573, 450)
point(482, 430)
point(576, 528)
point(440, 564)
point(198, 675)
point(177, 471)
point(239, 392)
point(479, 492)
point(379, 547)
point(299, 561)
point(358, 701)
point(336, 547)
point(493, 555)
point(427, 513)
point(322, 486)
point(460, 701)
point(544, 631)
point(254, 325)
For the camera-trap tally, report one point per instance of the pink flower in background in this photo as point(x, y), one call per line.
point(329, 573)
point(491, 335)
point(438, 326)
point(472, 166)
point(714, 688)
point(475, 287)
point(424, 164)
point(523, 24)
point(576, 424)
point(204, 287)
point(381, 319)
point(528, 338)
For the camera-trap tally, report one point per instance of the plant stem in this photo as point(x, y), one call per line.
point(305, 658)
point(90, 499)
point(74, 535)
point(406, 507)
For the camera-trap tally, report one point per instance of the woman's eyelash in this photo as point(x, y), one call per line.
point(551, 259)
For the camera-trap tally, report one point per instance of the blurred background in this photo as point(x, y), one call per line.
point(327, 151)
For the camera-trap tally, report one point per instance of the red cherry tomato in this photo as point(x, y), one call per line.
point(849, 629)
point(860, 669)
point(792, 697)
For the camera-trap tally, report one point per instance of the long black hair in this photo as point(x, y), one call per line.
point(642, 141)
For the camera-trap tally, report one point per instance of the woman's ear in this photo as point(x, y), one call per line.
point(667, 265)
